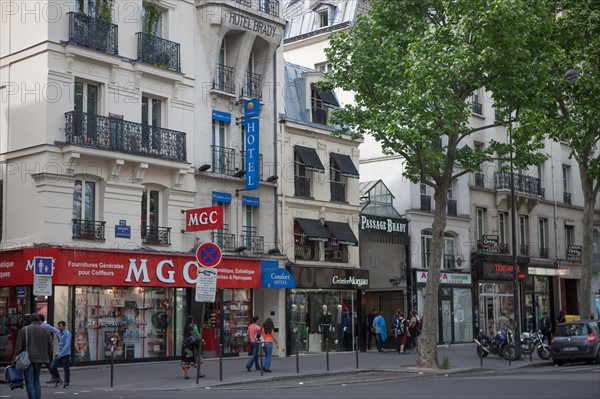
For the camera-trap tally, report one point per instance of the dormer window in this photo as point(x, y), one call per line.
point(320, 101)
point(323, 18)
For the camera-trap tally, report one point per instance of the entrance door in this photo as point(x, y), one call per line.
point(446, 320)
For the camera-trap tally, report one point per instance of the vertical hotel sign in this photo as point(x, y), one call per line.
point(251, 113)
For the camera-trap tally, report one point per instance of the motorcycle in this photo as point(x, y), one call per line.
point(533, 340)
point(503, 345)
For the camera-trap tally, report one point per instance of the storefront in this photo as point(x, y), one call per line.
point(455, 305)
point(141, 299)
point(324, 308)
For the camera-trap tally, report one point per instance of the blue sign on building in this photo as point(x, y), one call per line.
point(252, 154)
point(272, 276)
point(221, 197)
point(250, 201)
point(122, 231)
point(20, 292)
point(43, 266)
point(221, 116)
point(252, 108)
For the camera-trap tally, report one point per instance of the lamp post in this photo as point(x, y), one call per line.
point(513, 206)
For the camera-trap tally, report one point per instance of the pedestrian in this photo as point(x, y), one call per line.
point(189, 351)
point(63, 356)
point(253, 337)
point(380, 331)
point(561, 317)
point(546, 327)
point(38, 343)
point(413, 325)
point(370, 328)
point(503, 323)
point(268, 340)
point(48, 367)
point(401, 331)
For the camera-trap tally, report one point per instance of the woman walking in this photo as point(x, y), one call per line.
point(253, 336)
point(269, 339)
point(188, 351)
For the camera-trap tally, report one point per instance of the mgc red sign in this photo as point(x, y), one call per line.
point(204, 218)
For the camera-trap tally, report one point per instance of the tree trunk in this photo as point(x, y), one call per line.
point(589, 201)
point(428, 348)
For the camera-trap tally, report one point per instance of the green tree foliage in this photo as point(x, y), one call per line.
point(413, 66)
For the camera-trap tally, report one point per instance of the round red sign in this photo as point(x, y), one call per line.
point(208, 254)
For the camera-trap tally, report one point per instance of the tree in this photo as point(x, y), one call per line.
point(413, 65)
point(571, 115)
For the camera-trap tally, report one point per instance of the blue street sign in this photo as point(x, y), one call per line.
point(250, 201)
point(221, 197)
point(221, 116)
point(252, 154)
point(43, 266)
point(122, 231)
point(20, 292)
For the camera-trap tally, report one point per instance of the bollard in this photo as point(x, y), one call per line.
point(112, 360)
point(531, 356)
point(260, 356)
point(297, 358)
point(481, 360)
point(327, 351)
point(356, 350)
point(220, 362)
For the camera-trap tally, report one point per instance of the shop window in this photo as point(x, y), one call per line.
point(138, 318)
point(13, 313)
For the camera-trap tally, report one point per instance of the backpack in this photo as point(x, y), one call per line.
point(401, 327)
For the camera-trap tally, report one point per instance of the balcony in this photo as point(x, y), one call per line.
point(567, 198)
point(154, 235)
point(93, 33)
point(224, 239)
point(523, 184)
point(524, 250)
point(252, 88)
point(479, 180)
point(503, 249)
point(302, 186)
point(452, 207)
point(160, 52)
point(426, 203)
point(271, 7)
point(477, 108)
point(223, 160)
point(544, 253)
point(88, 230)
point(118, 135)
point(338, 191)
point(243, 163)
point(224, 79)
point(304, 250)
point(253, 242)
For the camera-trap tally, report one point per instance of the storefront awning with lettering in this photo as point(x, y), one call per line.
point(313, 229)
point(345, 165)
point(342, 233)
point(310, 158)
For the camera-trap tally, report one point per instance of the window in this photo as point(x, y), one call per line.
point(152, 19)
point(543, 237)
point(151, 122)
point(224, 74)
point(540, 173)
point(222, 156)
point(1, 206)
point(426, 241)
point(301, 180)
point(322, 18)
point(87, 7)
point(476, 102)
point(449, 261)
point(252, 84)
point(566, 172)
point(222, 237)
point(319, 111)
point(152, 233)
point(569, 235)
point(480, 222)
point(502, 222)
point(524, 234)
point(337, 182)
point(85, 105)
point(425, 199)
point(84, 200)
point(323, 67)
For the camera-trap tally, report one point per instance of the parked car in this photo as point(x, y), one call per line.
point(576, 341)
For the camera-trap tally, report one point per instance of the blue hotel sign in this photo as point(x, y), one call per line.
point(251, 111)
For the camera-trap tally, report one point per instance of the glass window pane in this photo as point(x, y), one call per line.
point(90, 200)
point(156, 113)
point(78, 99)
point(463, 317)
point(92, 99)
point(77, 200)
point(154, 208)
point(144, 110)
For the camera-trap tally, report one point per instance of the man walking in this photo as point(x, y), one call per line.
point(63, 357)
point(38, 343)
point(546, 327)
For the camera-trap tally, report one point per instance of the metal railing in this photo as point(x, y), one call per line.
point(223, 160)
point(302, 186)
point(269, 6)
point(252, 87)
point(119, 135)
point(158, 51)
point(319, 112)
point(479, 179)
point(524, 250)
point(567, 198)
point(244, 2)
point(305, 251)
point(452, 207)
point(449, 261)
point(88, 229)
point(155, 235)
point(523, 184)
point(224, 239)
point(338, 191)
point(503, 249)
point(543, 252)
point(94, 33)
point(426, 203)
point(224, 79)
point(477, 107)
point(253, 243)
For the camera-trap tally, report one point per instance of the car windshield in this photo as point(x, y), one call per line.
point(571, 330)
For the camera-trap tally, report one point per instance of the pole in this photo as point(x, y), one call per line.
point(513, 205)
point(327, 351)
point(112, 360)
point(297, 353)
point(199, 355)
point(220, 361)
point(356, 350)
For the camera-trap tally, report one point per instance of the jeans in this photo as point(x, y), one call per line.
point(32, 381)
point(64, 362)
point(379, 342)
point(268, 355)
point(254, 358)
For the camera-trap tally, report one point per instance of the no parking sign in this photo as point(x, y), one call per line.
point(208, 254)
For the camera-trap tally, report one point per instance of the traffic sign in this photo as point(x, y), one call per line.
point(43, 266)
point(206, 285)
point(42, 285)
point(208, 254)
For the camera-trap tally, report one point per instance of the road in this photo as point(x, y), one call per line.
point(571, 381)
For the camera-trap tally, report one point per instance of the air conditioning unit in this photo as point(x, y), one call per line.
point(337, 255)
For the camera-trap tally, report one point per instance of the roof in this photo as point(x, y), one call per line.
point(377, 200)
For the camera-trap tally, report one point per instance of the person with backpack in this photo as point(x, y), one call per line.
point(400, 331)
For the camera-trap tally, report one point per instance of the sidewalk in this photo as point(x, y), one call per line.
point(169, 376)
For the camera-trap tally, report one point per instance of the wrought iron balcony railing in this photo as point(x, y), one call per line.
point(426, 203)
point(224, 79)
point(223, 160)
point(318, 111)
point(503, 249)
point(88, 229)
point(302, 186)
point(93, 33)
point(543, 252)
point(452, 207)
point(155, 235)
point(567, 198)
point(252, 87)
point(304, 250)
point(524, 250)
point(338, 191)
point(269, 6)
point(119, 135)
point(158, 51)
point(523, 184)
point(253, 242)
point(477, 107)
point(242, 164)
point(479, 179)
point(224, 239)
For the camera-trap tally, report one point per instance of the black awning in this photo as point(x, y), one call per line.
point(345, 165)
point(313, 229)
point(342, 233)
point(310, 158)
point(328, 98)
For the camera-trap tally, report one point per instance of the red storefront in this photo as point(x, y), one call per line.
point(140, 298)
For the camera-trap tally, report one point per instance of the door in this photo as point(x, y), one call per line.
point(446, 320)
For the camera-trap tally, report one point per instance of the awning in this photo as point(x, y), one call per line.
point(313, 229)
point(342, 233)
point(328, 98)
point(345, 165)
point(310, 158)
